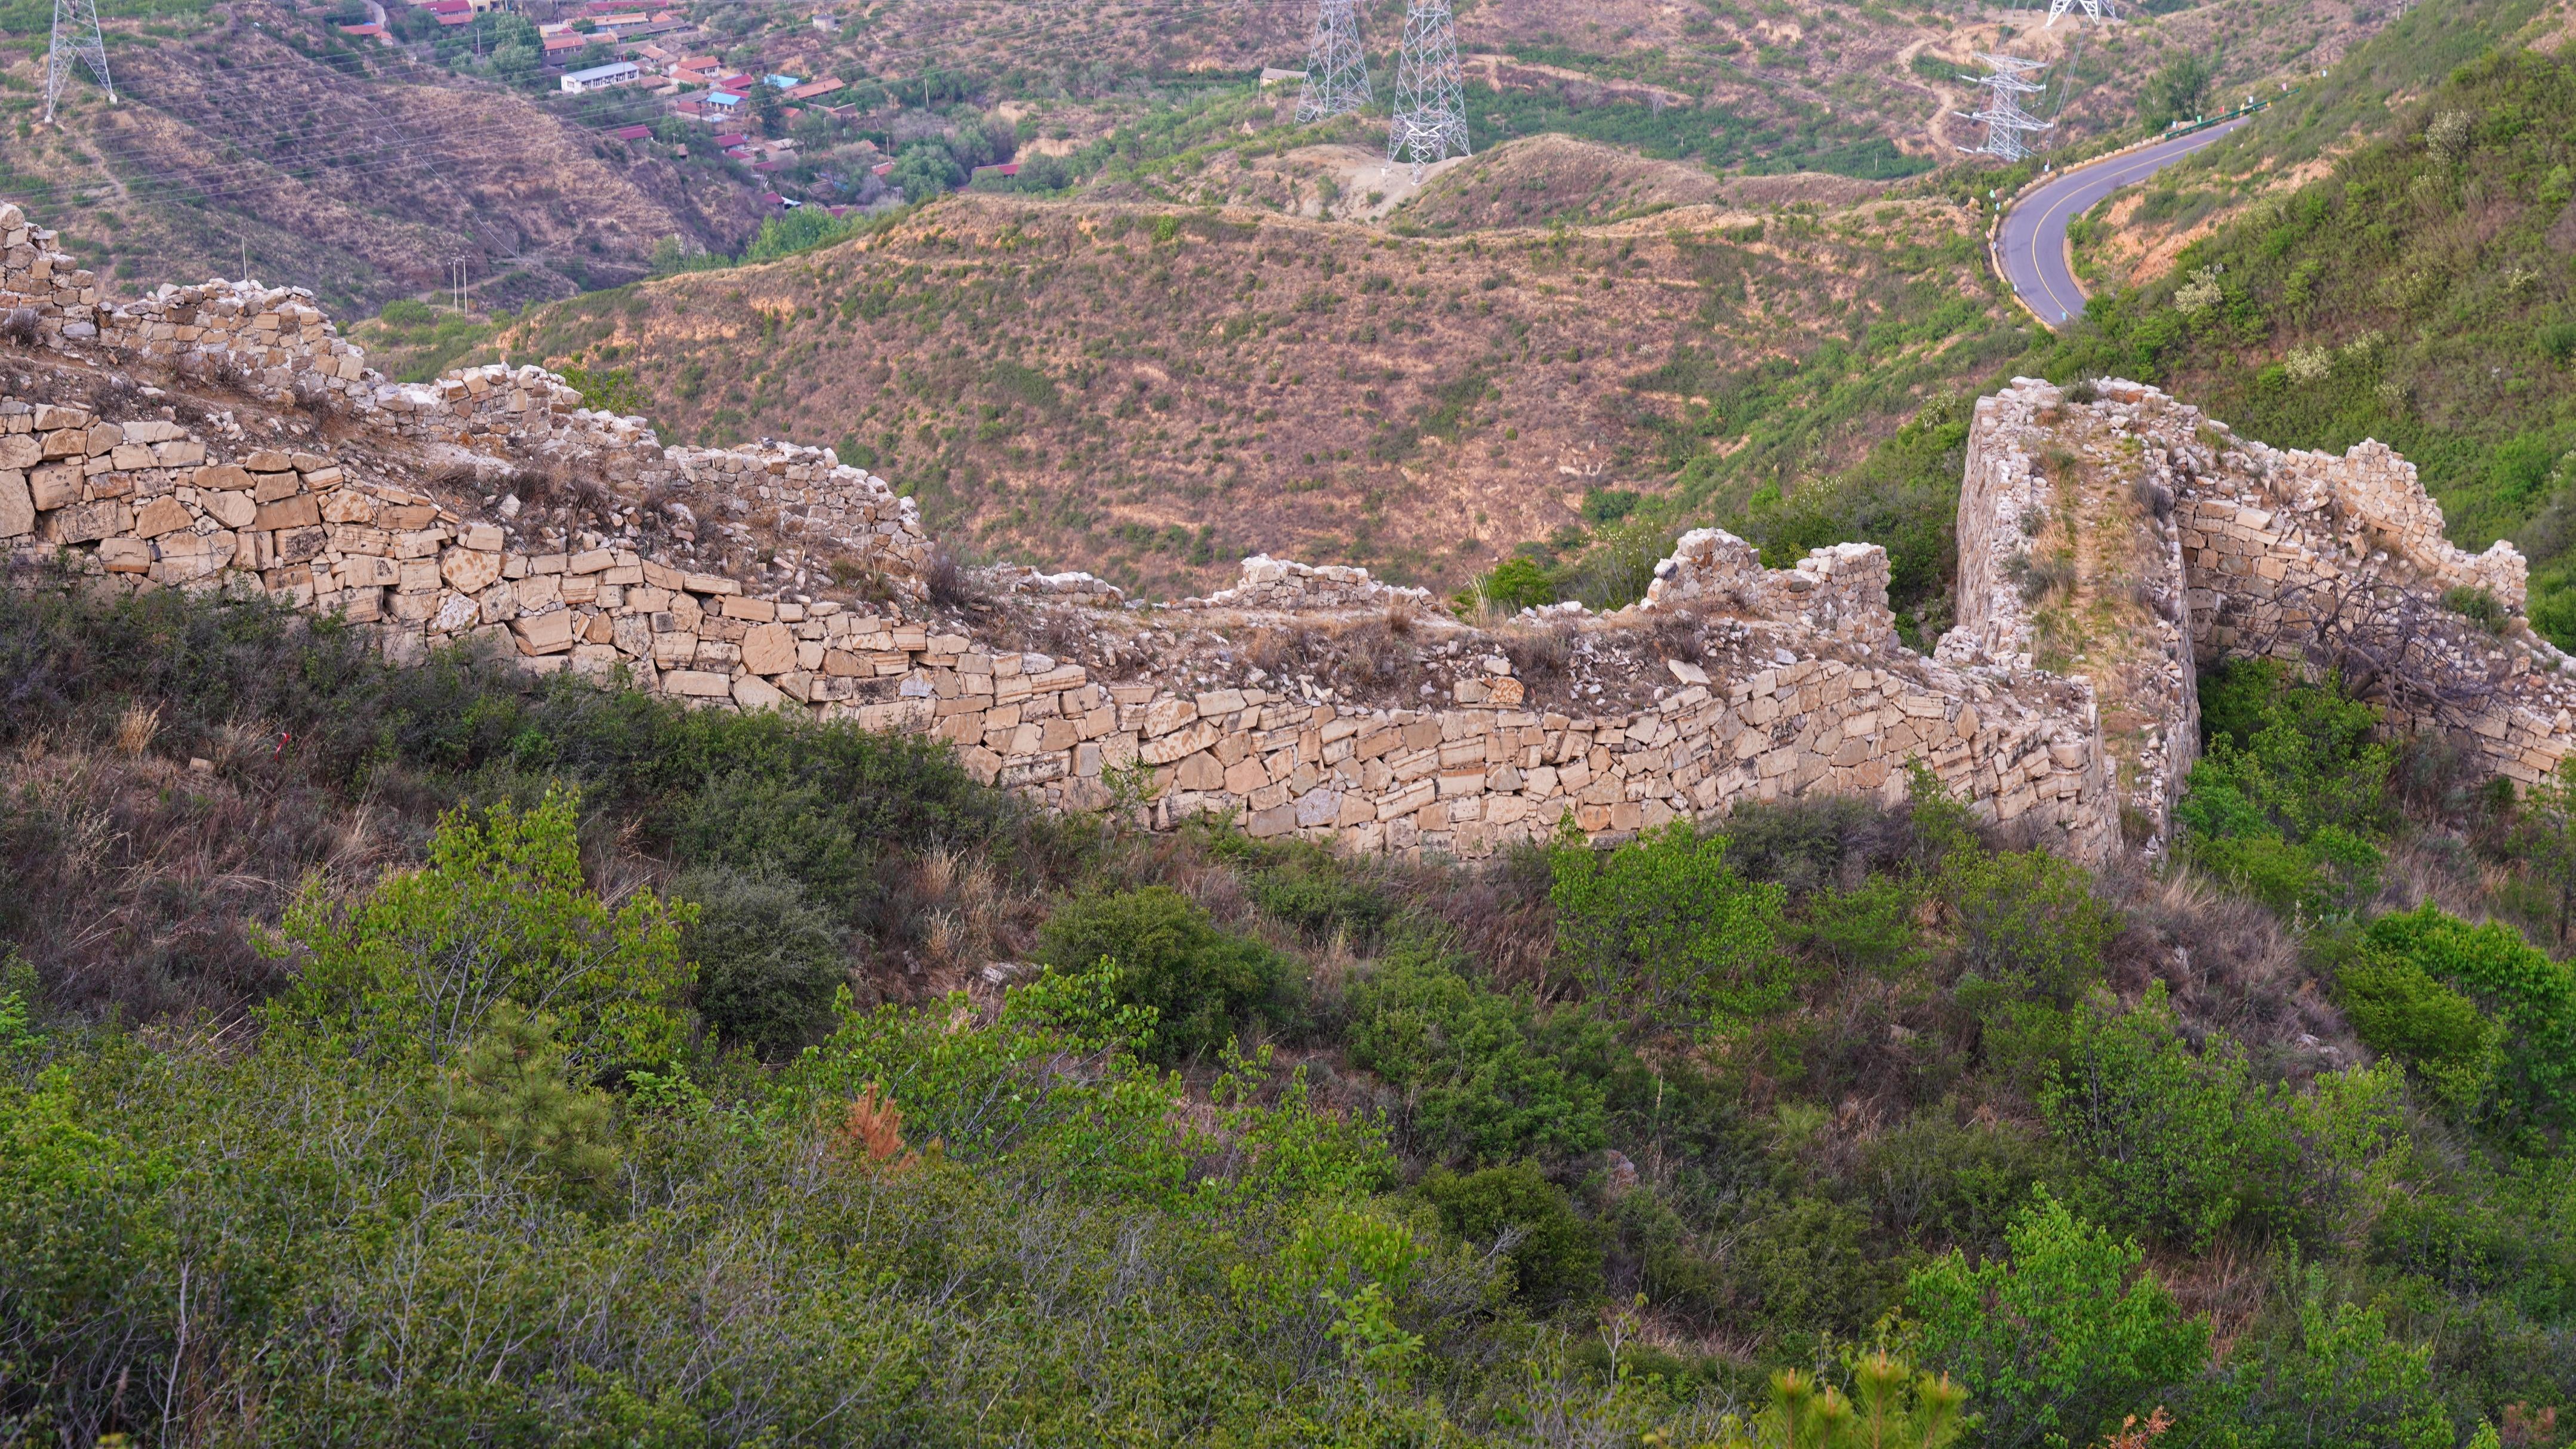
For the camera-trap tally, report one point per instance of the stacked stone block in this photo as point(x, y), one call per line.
point(2150, 699)
point(1839, 590)
point(1278, 583)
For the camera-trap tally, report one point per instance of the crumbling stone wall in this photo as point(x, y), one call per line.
point(1838, 590)
point(774, 577)
point(1770, 706)
point(271, 335)
point(2337, 563)
point(2081, 556)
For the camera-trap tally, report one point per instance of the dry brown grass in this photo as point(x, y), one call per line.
point(135, 882)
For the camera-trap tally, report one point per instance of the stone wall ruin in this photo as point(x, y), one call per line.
point(149, 445)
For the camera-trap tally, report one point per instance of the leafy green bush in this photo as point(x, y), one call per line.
point(768, 961)
point(501, 913)
point(2398, 1009)
point(2055, 1345)
point(1200, 981)
point(1557, 1257)
point(1665, 923)
point(1515, 584)
point(1480, 1081)
point(2330, 1376)
point(2291, 790)
point(2175, 1143)
point(2531, 999)
point(2028, 923)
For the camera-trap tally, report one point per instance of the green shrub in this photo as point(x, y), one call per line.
point(2332, 1376)
point(1513, 585)
point(501, 913)
point(512, 1092)
point(1168, 955)
point(2027, 922)
point(406, 312)
point(2291, 792)
point(1310, 888)
point(768, 962)
point(1807, 1263)
point(1941, 1181)
point(2398, 1009)
point(1557, 1257)
point(1666, 924)
point(1480, 1083)
point(2175, 1143)
point(2531, 998)
point(2057, 1344)
point(763, 822)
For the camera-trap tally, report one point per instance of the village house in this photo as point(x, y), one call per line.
point(601, 77)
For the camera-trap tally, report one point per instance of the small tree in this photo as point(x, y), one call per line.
point(512, 1089)
point(2059, 1343)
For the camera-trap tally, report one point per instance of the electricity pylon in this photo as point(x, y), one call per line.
point(1430, 122)
point(75, 36)
point(2005, 121)
point(1336, 73)
point(2094, 10)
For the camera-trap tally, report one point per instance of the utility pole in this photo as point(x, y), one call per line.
point(75, 37)
point(1336, 72)
point(1430, 122)
point(2006, 122)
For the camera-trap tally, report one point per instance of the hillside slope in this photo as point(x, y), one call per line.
point(254, 134)
point(1150, 395)
point(2368, 95)
point(2418, 294)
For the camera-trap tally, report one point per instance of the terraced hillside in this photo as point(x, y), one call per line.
point(1151, 394)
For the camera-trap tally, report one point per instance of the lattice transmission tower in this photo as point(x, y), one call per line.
point(1336, 73)
point(75, 37)
point(2007, 124)
point(1430, 96)
point(2094, 10)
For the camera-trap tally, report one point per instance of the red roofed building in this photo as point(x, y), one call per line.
point(729, 141)
point(1007, 168)
point(811, 89)
point(568, 43)
point(633, 133)
point(370, 31)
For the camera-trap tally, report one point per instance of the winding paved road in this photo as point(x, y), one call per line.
point(2033, 242)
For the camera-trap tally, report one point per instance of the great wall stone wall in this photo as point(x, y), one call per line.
point(224, 436)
